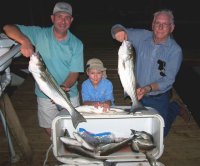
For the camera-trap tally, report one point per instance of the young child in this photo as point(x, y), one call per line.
point(97, 90)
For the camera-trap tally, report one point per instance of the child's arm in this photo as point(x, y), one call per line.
point(93, 103)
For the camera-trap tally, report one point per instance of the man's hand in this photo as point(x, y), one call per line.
point(143, 91)
point(66, 89)
point(27, 48)
point(140, 93)
point(121, 36)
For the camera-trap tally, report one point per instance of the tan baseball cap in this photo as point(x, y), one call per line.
point(97, 64)
point(62, 7)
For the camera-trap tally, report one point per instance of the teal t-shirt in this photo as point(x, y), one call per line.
point(60, 57)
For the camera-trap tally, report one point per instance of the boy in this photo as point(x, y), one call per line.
point(97, 90)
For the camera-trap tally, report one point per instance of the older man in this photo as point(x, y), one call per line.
point(158, 61)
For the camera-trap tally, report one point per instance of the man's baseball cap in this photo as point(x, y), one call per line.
point(62, 7)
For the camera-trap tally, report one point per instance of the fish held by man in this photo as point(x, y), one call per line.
point(49, 87)
point(126, 74)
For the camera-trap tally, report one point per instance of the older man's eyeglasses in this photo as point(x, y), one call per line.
point(163, 25)
point(161, 67)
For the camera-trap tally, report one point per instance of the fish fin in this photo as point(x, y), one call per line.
point(133, 131)
point(137, 107)
point(66, 133)
point(77, 118)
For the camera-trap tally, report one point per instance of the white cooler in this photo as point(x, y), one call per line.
point(149, 121)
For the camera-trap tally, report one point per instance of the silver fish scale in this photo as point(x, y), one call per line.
point(49, 87)
point(126, 74)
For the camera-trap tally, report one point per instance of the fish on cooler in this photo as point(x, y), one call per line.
point(70, 141)
point(94, 110)
point(84, 143)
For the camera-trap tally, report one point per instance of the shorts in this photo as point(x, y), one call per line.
point(47, 110)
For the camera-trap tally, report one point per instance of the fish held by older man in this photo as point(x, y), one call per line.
point(49, 87)
point(127, 76)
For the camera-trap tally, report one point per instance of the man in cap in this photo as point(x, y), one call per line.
point(62, 53)
point(97, 90)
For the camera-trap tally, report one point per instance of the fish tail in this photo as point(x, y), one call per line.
point(77, 118)
point(137, 107)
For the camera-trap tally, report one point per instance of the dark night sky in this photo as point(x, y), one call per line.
point(37, 12)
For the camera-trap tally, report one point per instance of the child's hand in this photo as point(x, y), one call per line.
point(106, 107)
point(96, 104)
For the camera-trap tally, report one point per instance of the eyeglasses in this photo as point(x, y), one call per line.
point(163, 25)
point(161, 67)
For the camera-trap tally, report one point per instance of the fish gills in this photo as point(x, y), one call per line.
point(49, 87)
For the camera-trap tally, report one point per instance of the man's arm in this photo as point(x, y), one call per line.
point(71, 79)
point(13, 32)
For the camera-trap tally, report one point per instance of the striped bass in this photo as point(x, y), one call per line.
point(142, 141)
point(70, 141)
point(112, 147)
point(126, 74)
point(152, 160)
point(76, 159)
point(84, 143)
point(49, 87)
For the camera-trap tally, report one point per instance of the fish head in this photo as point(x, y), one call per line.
point(35, 64)
point(34, 58)
point(125, 51)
